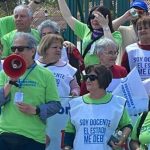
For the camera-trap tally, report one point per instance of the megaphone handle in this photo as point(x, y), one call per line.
point(13, 83)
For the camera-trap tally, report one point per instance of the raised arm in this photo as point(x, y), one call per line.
point(121, 20)
point(66, 13)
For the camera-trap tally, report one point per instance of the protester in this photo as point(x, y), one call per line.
point(50, 53)
point(22, 124)
point(7, 23)
point(69, 52)
point(23, 18)
point(137, 9)
point(99, 25)
point(107, 52)
point(51, 27)
point(91, 119)
point(140, 135)
point(137, 54)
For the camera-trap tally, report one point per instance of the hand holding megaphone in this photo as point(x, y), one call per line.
point(14, 66)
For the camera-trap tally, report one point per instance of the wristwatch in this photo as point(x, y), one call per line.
point(37, 110)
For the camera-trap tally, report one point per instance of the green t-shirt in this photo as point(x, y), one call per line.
point(84, 33)
point(7, 41)
point(125, 119)
point(38, 88)
point(144, 137)
point(7, 24)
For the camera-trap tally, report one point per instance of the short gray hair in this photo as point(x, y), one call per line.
point(28, 37)
point(21, 7)
point(49, 24)
point(103, 43)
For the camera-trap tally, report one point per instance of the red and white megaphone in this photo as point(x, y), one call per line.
point(14, 66)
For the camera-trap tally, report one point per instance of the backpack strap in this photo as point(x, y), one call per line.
point(89, 46)
point(142, 120)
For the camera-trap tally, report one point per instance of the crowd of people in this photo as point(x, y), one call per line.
point(63, 100)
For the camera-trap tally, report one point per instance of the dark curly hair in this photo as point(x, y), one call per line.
point(104, 11)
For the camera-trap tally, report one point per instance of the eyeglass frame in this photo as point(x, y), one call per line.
point(91, 77)
point(19, 48)
point(111, 53)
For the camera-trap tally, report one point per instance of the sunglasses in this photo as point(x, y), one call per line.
point(91, 77)
point(19, 48)
point(92, 16)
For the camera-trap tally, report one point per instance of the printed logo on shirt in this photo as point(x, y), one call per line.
point(143, 65)
point(59, 77)
point(94, 130)
point(28, 83)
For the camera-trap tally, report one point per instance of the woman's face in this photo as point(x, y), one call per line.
point(46, 31)
point(108, 56)
point(94, 20)
point(143, 31)
point(54, 51)
point(92, 81)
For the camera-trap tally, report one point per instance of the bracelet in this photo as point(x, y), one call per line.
point(36, 2)
point(106, 29)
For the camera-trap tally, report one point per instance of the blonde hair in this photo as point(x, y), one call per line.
point(47, 41)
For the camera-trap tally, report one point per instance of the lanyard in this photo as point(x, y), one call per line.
point(31, 68)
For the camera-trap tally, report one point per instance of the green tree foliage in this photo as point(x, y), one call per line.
point(7, 6)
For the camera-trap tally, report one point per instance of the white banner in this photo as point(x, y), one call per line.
point(131, 88)
point(57, 123)
point(114, 83)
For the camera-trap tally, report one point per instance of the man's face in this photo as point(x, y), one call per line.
point(20, 47)
point(22, 20)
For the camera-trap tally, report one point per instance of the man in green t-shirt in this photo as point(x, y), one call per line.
point(23, 17)
point(26, 101)
point(7, 23)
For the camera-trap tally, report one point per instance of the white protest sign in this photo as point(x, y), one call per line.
point(57, 123)
point(114, 83)
point(131, 88)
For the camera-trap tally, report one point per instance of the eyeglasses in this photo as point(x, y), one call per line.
point(19, 48)
point(92, 16)
point(91, 77)
point(111, 53)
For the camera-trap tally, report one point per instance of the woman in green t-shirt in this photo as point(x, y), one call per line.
point(99, 25)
